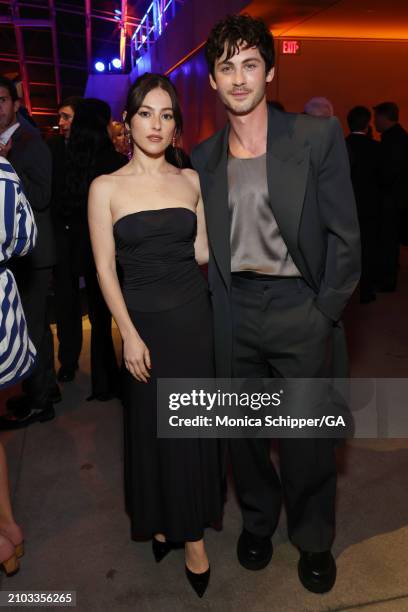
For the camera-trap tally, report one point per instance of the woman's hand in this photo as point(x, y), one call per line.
point(137, 357)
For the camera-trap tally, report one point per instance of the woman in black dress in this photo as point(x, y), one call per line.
point(150, 214)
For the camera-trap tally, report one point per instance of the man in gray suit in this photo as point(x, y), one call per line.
point(284, 260)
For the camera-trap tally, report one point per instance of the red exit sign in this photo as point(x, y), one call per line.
point(290, 47)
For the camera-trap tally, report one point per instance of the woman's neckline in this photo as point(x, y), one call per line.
point(152, 210)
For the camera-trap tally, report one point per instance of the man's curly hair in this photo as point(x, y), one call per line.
point(235, 30)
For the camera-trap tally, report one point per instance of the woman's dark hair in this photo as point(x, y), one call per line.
point(71, 101)
point(89, 136)
point(145, 84)
point(234, 31)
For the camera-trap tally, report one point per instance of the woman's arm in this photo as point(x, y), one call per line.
point(201, 241)
point(135, 352)
point(18, 223)
point(26, 229)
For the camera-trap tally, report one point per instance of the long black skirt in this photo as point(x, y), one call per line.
point(172, 486)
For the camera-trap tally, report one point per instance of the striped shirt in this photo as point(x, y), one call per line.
point(18, 234)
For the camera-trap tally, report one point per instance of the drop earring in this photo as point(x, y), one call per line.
point(129, 143)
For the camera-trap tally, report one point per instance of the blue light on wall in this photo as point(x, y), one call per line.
point(116, 63)
point(99, 66)
point(152, 25)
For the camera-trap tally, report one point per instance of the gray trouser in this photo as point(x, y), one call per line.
point(279, 332)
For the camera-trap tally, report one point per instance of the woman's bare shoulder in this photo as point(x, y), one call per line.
point(192, 176)
point(102, 184)
point(110, 181)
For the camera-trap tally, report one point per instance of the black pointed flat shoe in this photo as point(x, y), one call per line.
point(160, 549)
point(199, 582)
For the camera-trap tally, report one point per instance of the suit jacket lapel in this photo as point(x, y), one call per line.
point(17, 134)
point(287, 169)
point(217, 211)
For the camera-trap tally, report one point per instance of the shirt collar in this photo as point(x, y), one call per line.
point(7, 134)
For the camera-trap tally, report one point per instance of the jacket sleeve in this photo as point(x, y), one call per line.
point(37, 174)
point(339, 217)
point(193, 158)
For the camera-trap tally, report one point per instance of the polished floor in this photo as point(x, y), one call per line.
point(66, 479)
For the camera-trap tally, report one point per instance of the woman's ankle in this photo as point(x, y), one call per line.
point(12, 531)
point(160, 537)
point(196, 557)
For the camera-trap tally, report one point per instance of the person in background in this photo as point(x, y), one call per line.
point(18, 234)
point(394, 186)
point(11, 534)
point(23, 116)
point(66, 114)
point(90, 153)
point(31, 160)
point(319, 107)
point(66, 271)
point(119, 138)
point(365, 164)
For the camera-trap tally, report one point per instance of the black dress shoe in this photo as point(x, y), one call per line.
point(26, 416)
point(199, 582)
point(66, 374)
point(19, 405)
point(317, 571)
point(160, 549)
point(254, 552)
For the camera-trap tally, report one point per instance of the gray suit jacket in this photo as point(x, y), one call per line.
point(312, 199)
point(31, 160)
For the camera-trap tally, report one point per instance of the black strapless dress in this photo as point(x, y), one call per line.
point(172, 486)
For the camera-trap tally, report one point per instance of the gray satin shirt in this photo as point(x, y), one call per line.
point(256, 242)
